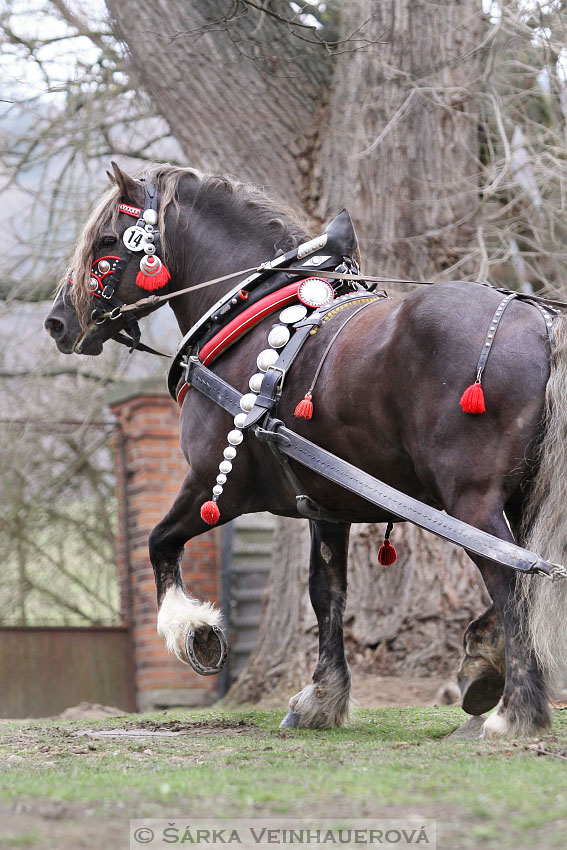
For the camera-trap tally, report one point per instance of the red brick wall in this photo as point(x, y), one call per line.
point(150, 469)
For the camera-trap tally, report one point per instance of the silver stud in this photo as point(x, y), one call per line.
point(229, 453)
point(293, 314)
point(235, 437)
point(221, 479)
point(266, 359)
point(255, 382)
point(279, 336)
point(248, 401)
point(104, 266)
point(487, 344)
point(217, 490)
point(150, 216)
point(239, 420)
point(490, 336)
point(225, 466)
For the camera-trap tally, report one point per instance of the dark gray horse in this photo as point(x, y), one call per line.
point(387, 400)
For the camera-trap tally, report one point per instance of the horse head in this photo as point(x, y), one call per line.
point(117, 260)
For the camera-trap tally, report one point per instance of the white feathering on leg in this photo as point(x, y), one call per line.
point(495, 725)
point(178, 613)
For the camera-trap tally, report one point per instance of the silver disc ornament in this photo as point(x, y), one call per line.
point(293, 314)
point(314, 292)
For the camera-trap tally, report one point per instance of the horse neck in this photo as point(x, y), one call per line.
point(206, 249)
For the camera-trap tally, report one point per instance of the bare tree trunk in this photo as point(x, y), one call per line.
point(399, 141)
point(241, 93)
point(399, 147)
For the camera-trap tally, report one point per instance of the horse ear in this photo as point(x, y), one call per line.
point(111, 177)
point(129, 189)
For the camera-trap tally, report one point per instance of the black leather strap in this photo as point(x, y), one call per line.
point(273, 379)
point(399, 504)
point(491, 334)
point(213, 387)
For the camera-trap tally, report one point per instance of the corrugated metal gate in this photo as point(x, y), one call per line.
point(246, 562)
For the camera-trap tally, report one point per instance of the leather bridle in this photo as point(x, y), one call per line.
point(106, 274)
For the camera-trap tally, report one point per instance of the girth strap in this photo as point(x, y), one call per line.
point(367, 487)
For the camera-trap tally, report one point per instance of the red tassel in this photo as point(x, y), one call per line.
point(472, 400)
point(387, 554)
point(156, 281)
point(304, 409)
point(210, 512)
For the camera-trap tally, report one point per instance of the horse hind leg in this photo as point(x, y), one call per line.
point(325, 703)
point(524, 708)
point(481, 674)
point(190, 628)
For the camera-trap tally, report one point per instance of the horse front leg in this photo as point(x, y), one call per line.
point(190, 628)
point(325, 703)
point(524, 707)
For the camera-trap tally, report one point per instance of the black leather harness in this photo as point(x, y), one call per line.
point(398, 504)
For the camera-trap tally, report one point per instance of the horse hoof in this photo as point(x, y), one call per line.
point(206, 649)
point(290, 721)
point(481, 694)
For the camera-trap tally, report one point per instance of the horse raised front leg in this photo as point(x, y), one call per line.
point(325, 703)
point(190, 628)
point(524, 708)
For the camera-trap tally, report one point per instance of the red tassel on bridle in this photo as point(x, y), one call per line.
point(153, 274)
point(387, 554)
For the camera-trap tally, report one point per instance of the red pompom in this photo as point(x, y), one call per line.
point(152, 282)
point(387, 554)
point(304, 409)
point(210, 512)
point(472, 400)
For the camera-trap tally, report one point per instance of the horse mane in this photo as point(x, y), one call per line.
point(250, 204)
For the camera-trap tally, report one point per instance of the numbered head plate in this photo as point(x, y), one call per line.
point(134, 238)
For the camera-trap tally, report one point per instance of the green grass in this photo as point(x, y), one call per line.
point(395, 762)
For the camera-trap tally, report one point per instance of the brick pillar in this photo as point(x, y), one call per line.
point(150, 468)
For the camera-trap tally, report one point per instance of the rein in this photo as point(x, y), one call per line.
point(153, 300)
point(106, 273)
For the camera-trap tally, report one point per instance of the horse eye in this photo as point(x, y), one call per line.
point(109, 240)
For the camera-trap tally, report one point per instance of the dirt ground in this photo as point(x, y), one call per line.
point(372, 691)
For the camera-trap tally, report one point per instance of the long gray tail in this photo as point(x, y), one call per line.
point(545, 521)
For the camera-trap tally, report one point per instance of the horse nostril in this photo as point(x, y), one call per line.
point(54, 327)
